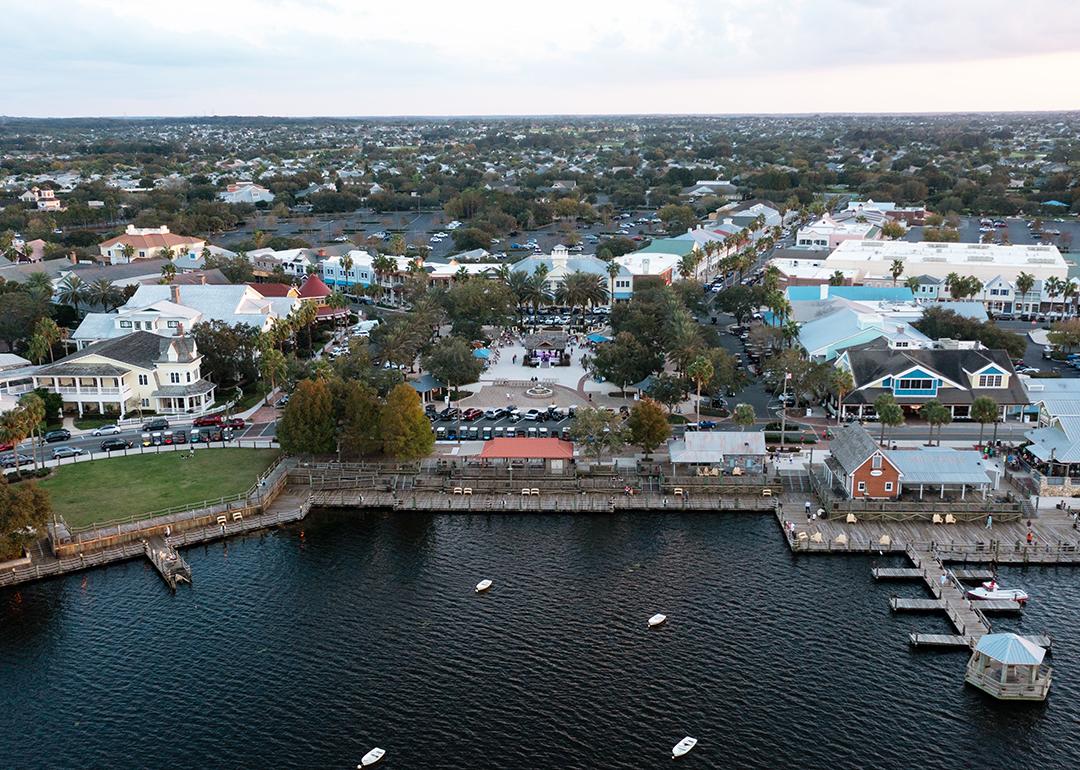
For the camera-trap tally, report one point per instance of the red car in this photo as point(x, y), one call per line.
point(472, 414)
point(234, 423)
point(6, 447)
point(207, 421)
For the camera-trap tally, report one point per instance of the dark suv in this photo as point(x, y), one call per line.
point(110, 444)
point(63, 434)
point(157, 424)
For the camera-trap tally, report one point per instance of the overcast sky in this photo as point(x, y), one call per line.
point(434, 57)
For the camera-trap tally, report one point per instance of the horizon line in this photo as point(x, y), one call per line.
point(552, 115)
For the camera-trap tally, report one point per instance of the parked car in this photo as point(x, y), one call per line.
point(282, 402)
point(158, 423)
point(207, 420)
point(112, 444)
point(66, 451)
point(236, 423)
point(105, 430)
point(450, 413)
point(472, 414)
point(494, 414)
point(14, 460)
point(532, 414)
point(61, 434)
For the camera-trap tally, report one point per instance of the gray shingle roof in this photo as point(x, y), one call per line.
point(851, 447)
point(140, 348)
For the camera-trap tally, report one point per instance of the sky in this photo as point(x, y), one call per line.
point(504, 57)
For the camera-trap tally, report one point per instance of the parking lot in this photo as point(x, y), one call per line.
point(419, 227)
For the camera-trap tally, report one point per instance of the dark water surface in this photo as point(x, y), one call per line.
point(306, 647)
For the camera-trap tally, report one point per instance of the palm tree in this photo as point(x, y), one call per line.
point(346, 268)
point(337, 300)
point(912, 283)
point(128, 251)
point(1054, 286)
point(33, 409)
point(896, 270)
point(983, 410)
point(700, 371)
point(687, 265)
point(72, 290)
point(14, 428)
point(383, 267)
point(744, 415)
point(100, 293)
point(584, 289)
point(837, 278)
point(935, 414)
point(953, 284)
point(39, 284)
point(613, 269)
point(790, 332)
point(842, 384)
point(1025, 282)
point(1069, 293)
point(305, 317)
point(49, 332)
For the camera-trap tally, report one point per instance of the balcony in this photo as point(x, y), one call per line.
point(92, 394)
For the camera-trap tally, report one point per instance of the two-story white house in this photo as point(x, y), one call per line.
point(141, 370)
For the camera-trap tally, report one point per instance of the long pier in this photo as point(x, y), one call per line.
point(928, 546)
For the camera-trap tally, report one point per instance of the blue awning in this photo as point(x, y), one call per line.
point(597, 338)
point(483, 353)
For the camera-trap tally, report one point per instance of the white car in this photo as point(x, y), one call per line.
point(105, 430)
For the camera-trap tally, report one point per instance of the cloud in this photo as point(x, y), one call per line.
point(288, 57)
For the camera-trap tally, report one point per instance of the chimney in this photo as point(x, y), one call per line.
point(72, 257)
point(180, 329)
point(202, 279)
point(175, 291)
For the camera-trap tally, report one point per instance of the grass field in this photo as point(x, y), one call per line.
point(117, 488)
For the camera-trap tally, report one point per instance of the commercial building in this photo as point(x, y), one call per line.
point(872, 261)
point(953, 376)
point(830, 231)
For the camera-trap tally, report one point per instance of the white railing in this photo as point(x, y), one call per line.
point(91, 392)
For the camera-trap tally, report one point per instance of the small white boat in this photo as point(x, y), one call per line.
point(991, 590)
point(657, 620)
point(482, 586)
point(371, 758)
point(683, 747)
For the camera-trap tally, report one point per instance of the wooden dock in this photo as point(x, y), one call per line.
point(953, 640)
point(902, 604)
point(911, 573)
point(168, 562)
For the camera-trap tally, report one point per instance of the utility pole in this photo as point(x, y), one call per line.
point(783, 410)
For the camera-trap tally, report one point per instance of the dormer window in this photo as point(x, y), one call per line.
point(989, 380)
point(125, 324)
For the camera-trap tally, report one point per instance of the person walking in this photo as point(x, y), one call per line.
point(944, 580)
point(989, 521)
point(808, 510)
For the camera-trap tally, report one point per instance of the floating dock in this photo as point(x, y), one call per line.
point(168, 561)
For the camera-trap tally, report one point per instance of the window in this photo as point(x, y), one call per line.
point(989, 380)
point(888, 486)
point(146, 402)
point(189, 376)
point(876, 462)
point(142, 253)
point(862, 486)
point(921, 383)
point(144, 380)
point(174, 378)
point(125, 324)
point(173, 324)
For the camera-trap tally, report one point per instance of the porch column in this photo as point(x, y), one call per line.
point(963, 489)
point(920, 491)
point(942, 491)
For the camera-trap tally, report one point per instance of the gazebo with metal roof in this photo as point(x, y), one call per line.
point(1009, 667)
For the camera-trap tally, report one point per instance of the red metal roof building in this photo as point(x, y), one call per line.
point(527, 449)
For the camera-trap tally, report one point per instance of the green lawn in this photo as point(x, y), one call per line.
point(117, 488)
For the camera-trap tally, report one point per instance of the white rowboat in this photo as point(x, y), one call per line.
point(371, 758)
point(657, 620)
point(683, 747)
point(482, 586)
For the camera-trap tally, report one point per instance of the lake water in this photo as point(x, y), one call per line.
point(305, 647)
